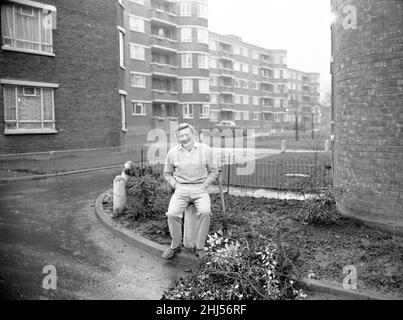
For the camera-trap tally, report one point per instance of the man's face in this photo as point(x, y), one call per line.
point(185, 137)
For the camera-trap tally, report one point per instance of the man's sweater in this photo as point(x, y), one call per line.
point(195, 167)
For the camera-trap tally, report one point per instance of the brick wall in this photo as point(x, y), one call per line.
point(86, 67)
point(368, 73)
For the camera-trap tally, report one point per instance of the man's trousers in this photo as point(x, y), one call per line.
point(183, 196)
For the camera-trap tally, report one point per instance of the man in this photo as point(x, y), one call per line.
point(189, 169)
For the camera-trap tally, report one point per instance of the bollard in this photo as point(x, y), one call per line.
point(327, 146)
point(190, 227)
point(119, 195)
point(283, 146)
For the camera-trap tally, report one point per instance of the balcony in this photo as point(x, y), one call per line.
point(227, 72)
point(227, 89)
point(159, 69)
point(226, 55)
point(159, 95)
point(164, 45)
point(163, 18)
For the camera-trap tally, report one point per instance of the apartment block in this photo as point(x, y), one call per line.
point(59, 76)
point(248, 84)
point(167, 64)
point(304, 98)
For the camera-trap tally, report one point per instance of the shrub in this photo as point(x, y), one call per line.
point(237, 269)
point(147, 194)
point(321, 210)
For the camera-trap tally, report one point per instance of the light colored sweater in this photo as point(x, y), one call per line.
point(195, 167)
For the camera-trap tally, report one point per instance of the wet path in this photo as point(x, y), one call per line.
point(52, 222)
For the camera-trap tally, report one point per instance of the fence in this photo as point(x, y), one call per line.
point(305, 174)
point(284, 174)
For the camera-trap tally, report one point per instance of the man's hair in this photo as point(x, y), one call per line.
point(183, 126)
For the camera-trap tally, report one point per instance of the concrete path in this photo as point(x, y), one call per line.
point(52, 222)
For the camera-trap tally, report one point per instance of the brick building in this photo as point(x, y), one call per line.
point(59, 75)
point(166, 46)
point(304, 99)
point(368, 93)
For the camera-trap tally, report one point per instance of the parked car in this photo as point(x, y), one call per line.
point(228, 124)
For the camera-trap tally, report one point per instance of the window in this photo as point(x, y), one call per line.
point(213, 115)
point(136, 24)
point(277, 103)
point(255, 55)
point(213, 45)
point(245, 52)
point(203, 61)
point(202, 11)
point(187, 60)
point(205, 111)
point(213, 81)
point(121, 49)
point(137, 52)
point(123, 111)
point(255, 101)
point(245, 99)
point(213, 63)
point(245, 67)
point(237, 99)
point(187, 111)
point(138, 80)
point(238, 115)
point(204, 86)
point(276, 74)
point(255, 70)
point(187, 85)
point(237, 50)
point(185, 9)
point(255, 85)
point(213, 98)
point(202, 36)
point(28, 108)
point(186, 35)
point(256, 116)
point(237, 66)
point(138, 108)
point(245, 115)
point(28, 28)
point(237, 83)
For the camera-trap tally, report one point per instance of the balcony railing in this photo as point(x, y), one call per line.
point(164, 95)
point(162, 17)
point(160, 68)
point(163, 44)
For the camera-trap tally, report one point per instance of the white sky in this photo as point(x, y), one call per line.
point(302, 27)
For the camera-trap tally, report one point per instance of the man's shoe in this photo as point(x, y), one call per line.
point(201, 253)
point(170, 253)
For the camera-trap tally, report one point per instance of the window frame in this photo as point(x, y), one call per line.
point(33, 5)
point(186, 62)
point(185, 9)
point(189, 35)
point(205, 87)
point(133, 76)
point(143, 108)
point(133, 17)
point(203, 108)
point(189, 86)
point(190, 111)
point(205, 57)
point(15, 84)
point(133, 46)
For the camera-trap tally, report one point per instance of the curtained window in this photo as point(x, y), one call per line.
point(28, 108)
point(27, 28)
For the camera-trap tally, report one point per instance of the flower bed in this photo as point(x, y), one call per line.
point(310, 233)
